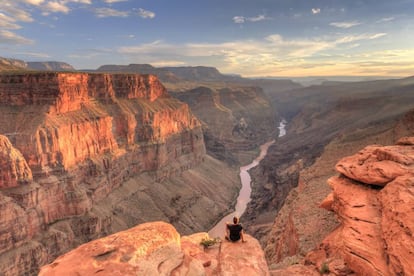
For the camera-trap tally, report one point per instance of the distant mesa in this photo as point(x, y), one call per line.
point(172, 74)
point(162, 73)
point(50, 66)
point(10, 64)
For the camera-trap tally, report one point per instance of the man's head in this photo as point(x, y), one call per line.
point(235, 220)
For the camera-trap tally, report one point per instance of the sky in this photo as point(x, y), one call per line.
point(279, 38)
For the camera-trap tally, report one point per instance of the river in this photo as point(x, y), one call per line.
point(244, 195)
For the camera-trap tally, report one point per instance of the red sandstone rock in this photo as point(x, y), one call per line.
point(406, 141)
point(376, 165)
point(156, 248)
point(375, 236)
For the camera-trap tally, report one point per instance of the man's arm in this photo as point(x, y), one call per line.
point(242, 235)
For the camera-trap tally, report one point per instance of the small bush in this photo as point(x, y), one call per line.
point(324, 268)
point(209, 242)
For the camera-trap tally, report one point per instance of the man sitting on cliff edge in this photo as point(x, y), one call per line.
point(234, 232)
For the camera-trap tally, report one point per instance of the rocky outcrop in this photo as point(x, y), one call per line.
point(14, 169)
point(373, 199)
point(156, 248)
point(84, 155)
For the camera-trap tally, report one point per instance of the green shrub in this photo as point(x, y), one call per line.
point(209, 242)
point(324, 268)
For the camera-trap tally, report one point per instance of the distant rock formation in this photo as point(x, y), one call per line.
point(49, 66)
point(155, 248)
point(162, 73)
point(201, 73)
point(11, 64)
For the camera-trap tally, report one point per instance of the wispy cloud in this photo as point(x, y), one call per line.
point(34, 54)
point(7, 22)
point(114, 1)
point(108, 12)
point(8, 37)
point(386, 19)
point(345, 25)
point(241, 19)
point(146, 14)
point(316, 10)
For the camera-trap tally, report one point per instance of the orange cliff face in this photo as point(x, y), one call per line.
point(67, 141)
point(59, 119)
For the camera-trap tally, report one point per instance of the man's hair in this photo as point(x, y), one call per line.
point(235, 220)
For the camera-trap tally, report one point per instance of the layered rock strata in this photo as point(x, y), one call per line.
point(156, 248)
point(374, 201)
point(235, 119)
point(83, 155)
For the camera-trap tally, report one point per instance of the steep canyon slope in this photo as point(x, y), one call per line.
point(326, 123)
point(85, 155)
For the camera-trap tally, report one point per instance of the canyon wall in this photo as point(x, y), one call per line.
point(236, 119)
point(84, 155)
point(301, 225)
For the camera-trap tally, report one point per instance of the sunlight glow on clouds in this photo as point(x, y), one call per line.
point(274, 38)
point(56, 7)
point(108, 12)
point(274, 53)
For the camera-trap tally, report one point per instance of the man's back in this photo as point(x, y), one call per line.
point(235, 230)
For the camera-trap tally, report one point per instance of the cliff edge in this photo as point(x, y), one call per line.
point(156, 248)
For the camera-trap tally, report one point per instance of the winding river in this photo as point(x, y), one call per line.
point(244, 195)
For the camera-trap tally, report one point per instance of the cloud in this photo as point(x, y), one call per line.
point(34, 54)
point(56, 7)
point(34, 2)
point(316, 10)
point(345, 25)
point(241, 19)
point(7, 22)
point(353, 38)
point(108, 12)
point(386, 19)
point(146, 14)
point(8, 37)
point(114, 1)
point(12, 9)
point(248, 57)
